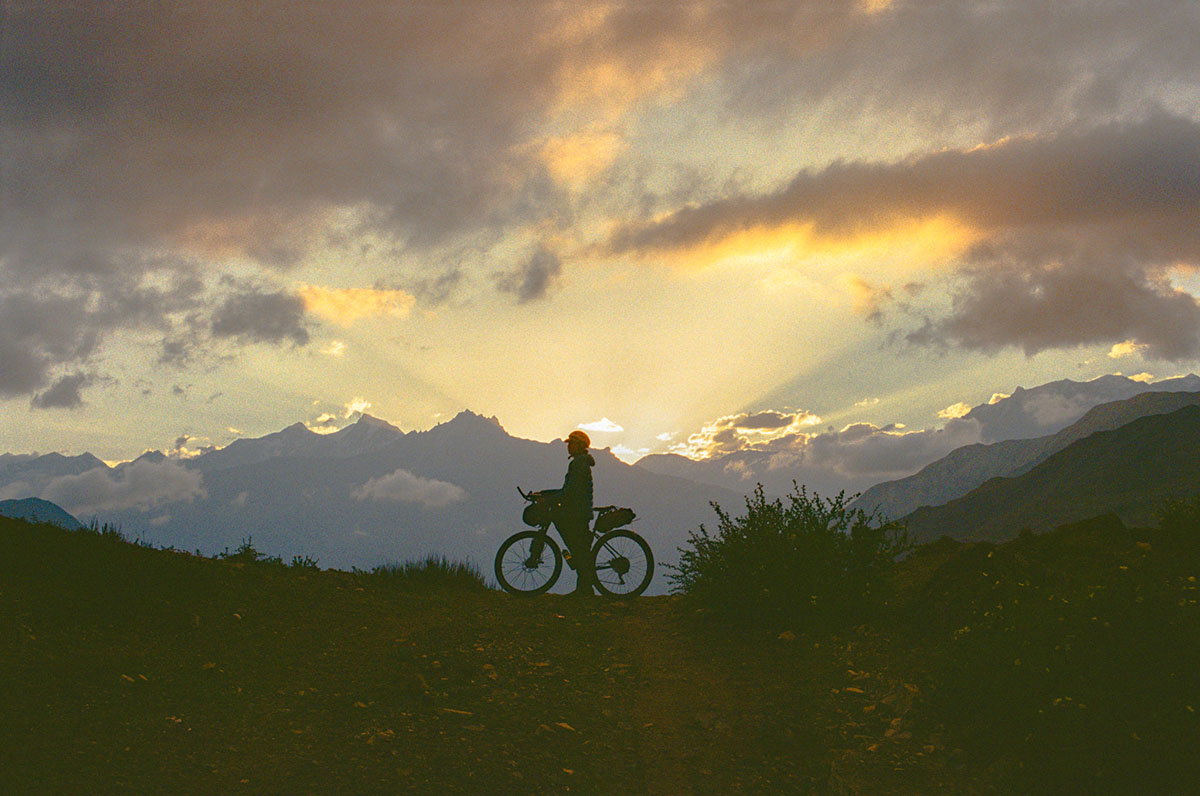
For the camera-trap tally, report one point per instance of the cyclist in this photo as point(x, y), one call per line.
point(572, 513)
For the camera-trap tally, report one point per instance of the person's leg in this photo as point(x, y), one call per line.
point(579, 539)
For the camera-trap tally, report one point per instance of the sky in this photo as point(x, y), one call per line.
point(656, 221)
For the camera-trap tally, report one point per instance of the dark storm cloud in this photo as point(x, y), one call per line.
point(35, 333)
point(1068, 303)
point(64, 393)
point(44, 323)
point(534, 278)
point(261, 318)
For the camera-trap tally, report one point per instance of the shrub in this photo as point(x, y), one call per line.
point(431, 572)
point(247, 554)
point(810, 560)
point(105, 531)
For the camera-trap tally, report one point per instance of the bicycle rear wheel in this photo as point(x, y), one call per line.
point(528, 562)
point(624, 564)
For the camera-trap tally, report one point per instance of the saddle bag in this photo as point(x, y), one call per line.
point(613, 518)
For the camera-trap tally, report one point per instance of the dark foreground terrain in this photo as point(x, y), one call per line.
point(1063, 663)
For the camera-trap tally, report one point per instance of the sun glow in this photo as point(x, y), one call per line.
point(344, 306)
point(917, 242)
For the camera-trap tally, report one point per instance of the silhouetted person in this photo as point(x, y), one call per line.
point(573, 509)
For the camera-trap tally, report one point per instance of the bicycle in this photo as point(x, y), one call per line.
point(530, 562)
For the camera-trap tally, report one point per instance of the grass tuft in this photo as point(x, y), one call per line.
point(428, 573)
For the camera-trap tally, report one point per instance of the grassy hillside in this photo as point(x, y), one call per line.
point(130, 670)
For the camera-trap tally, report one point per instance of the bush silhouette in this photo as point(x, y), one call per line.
point(247, 554)
point(809, 560)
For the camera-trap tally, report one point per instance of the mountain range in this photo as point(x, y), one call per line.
point(968, 467)
point(860, 456)
point(366, 495)
point(372, 494)
point(1128, 471)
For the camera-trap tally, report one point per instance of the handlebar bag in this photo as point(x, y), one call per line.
point(537, 514)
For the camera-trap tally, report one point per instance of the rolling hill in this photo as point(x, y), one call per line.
point(970, 466)
point(1128, 471)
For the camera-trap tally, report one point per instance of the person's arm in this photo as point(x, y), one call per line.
point(561, 493)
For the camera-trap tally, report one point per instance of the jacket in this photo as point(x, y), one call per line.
point(575, 497)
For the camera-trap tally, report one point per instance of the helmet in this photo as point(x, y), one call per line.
point(580, 437)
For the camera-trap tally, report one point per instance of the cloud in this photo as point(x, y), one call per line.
point(1074, 301)
point(1126, 348)
point(868, 299)
point(954, 410)
point(743, 431)
point(770, 421)
point(44, 324)
point(401, 486)
point(344, 306)
point(336, 348)
point(1129, 178)
point(576, 158)
point(1145, 378)
point(865, 450)
point(534, 278)
point(603, 425)
point(142, 149)
point(356, 406)
point(1065, 239)
point(852, 458)
point(64, 393)
point(261, 317)
point(138, 485)
point(436, 289)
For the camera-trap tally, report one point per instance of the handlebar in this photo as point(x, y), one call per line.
point(532, 496)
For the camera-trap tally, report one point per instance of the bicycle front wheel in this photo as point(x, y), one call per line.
point(528, 562)
point(624, 564)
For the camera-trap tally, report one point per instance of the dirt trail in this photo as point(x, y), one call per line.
point(682, 700)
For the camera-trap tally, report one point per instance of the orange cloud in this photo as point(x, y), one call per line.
point(344, 306)
point(952, 411)
point(576, 158)
point(937, 239)
point(1126, 348)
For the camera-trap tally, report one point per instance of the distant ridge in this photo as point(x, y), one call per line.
point(970, 466)
point(1026, 414)
point(1129, 471)
point(38, 510)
